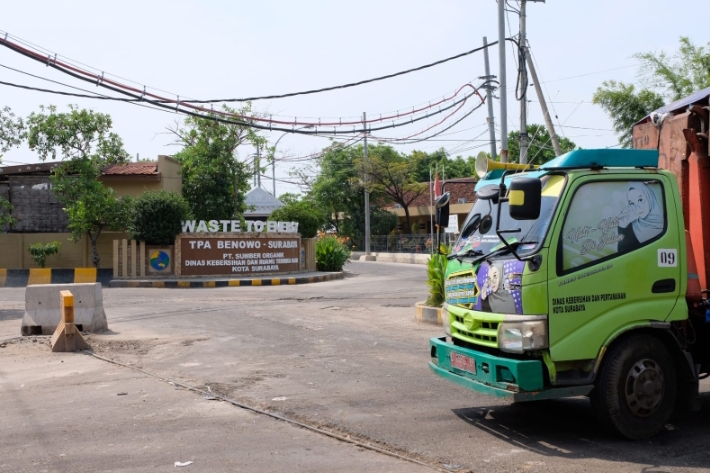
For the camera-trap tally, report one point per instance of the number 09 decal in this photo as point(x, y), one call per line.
point(667, 258)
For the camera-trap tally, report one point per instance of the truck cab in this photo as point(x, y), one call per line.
point(570, 279)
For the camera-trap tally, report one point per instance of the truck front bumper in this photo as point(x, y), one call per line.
point(506, 378)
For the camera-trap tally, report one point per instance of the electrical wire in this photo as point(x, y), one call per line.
point(552, 103)
point(162, 101)
point(100, 96)
point(352, 84)
point(435, 124)
point(419, 140)
point(95, 95)
point(312, 91)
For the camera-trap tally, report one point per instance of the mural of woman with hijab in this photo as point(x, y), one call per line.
point(494, 296)
point(642, 219)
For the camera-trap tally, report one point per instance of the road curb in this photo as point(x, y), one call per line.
point(427, 314)
point(187, 283)
point(29, 277)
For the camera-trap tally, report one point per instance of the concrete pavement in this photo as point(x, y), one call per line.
point(74, 413)
point(347, 356)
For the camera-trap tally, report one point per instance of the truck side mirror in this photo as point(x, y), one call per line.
point(442, 210)
point(524, 198)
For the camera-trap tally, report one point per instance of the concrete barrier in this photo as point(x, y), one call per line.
point(409, 258)
point(427, 314)
point(42, 308)
point(67, 337)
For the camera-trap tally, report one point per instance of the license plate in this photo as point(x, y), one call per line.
point(463, 362)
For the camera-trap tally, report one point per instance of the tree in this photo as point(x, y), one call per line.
point(448, 167)
point(214, 180)
point(382, 222)
point(337, 189)
point(11, 135)
point(540, 148)
point(156, 217)
point(85, 143)
point(626, 106)
point(391, 175)
point(40, 252)
point(666, 78)
point(289, 197)
point(90, 207)
point(309, 216)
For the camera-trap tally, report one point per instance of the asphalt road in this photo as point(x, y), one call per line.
point(348, 356)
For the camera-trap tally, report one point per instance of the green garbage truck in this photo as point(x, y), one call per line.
point(588, 276)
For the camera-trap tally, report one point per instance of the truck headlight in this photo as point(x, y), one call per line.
point(445, 321)
point(519, 337)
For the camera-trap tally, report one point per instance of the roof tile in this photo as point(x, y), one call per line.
point(146, 168)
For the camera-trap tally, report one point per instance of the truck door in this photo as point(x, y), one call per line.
point(615, 261)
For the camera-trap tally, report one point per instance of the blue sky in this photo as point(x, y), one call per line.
point(210, 49)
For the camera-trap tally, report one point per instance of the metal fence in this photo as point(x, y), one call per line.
point(421, 243)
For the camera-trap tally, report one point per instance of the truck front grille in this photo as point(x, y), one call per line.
point(480, 332)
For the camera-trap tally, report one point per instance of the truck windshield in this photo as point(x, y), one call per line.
point(478, 234)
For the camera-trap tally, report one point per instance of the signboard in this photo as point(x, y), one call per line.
point(203, 256)
point(234, 226)
point(453, 226)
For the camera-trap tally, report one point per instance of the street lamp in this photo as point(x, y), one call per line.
point(273, 159)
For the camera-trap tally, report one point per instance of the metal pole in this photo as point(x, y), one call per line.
point(367, 193)
point(431, 213)
point(503, 85)
point(273, 172)
point(489, 99)
point(273, 162)
point(523, 89)
point(437, 193)
point(543, 106)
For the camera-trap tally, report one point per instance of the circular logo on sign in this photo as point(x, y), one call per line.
point(159, 260)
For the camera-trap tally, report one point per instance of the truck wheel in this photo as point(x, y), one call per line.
point(636, 388)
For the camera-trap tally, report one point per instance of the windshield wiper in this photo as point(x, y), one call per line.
point(461, 256)
point(502, 250)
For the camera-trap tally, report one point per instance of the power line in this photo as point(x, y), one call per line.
point(305, 92)
point(212, 113)
point(394, 140)
point(589, 74)
point(95, 95)
point(163, 102)
point(352, 84)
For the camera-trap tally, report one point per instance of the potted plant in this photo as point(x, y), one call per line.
point(430, 310)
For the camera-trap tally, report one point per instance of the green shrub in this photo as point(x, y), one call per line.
point(331, 254)
point(436, 278)
point(156, 217)
point(40, 252)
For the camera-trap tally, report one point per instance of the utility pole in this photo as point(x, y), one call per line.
point(523, 78)
point(273, 172)
point(257, 168)
point(543, 106)
point(489, 99)
point(503, 85)
point(367, 193)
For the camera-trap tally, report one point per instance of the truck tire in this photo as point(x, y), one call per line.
point(636, 388)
